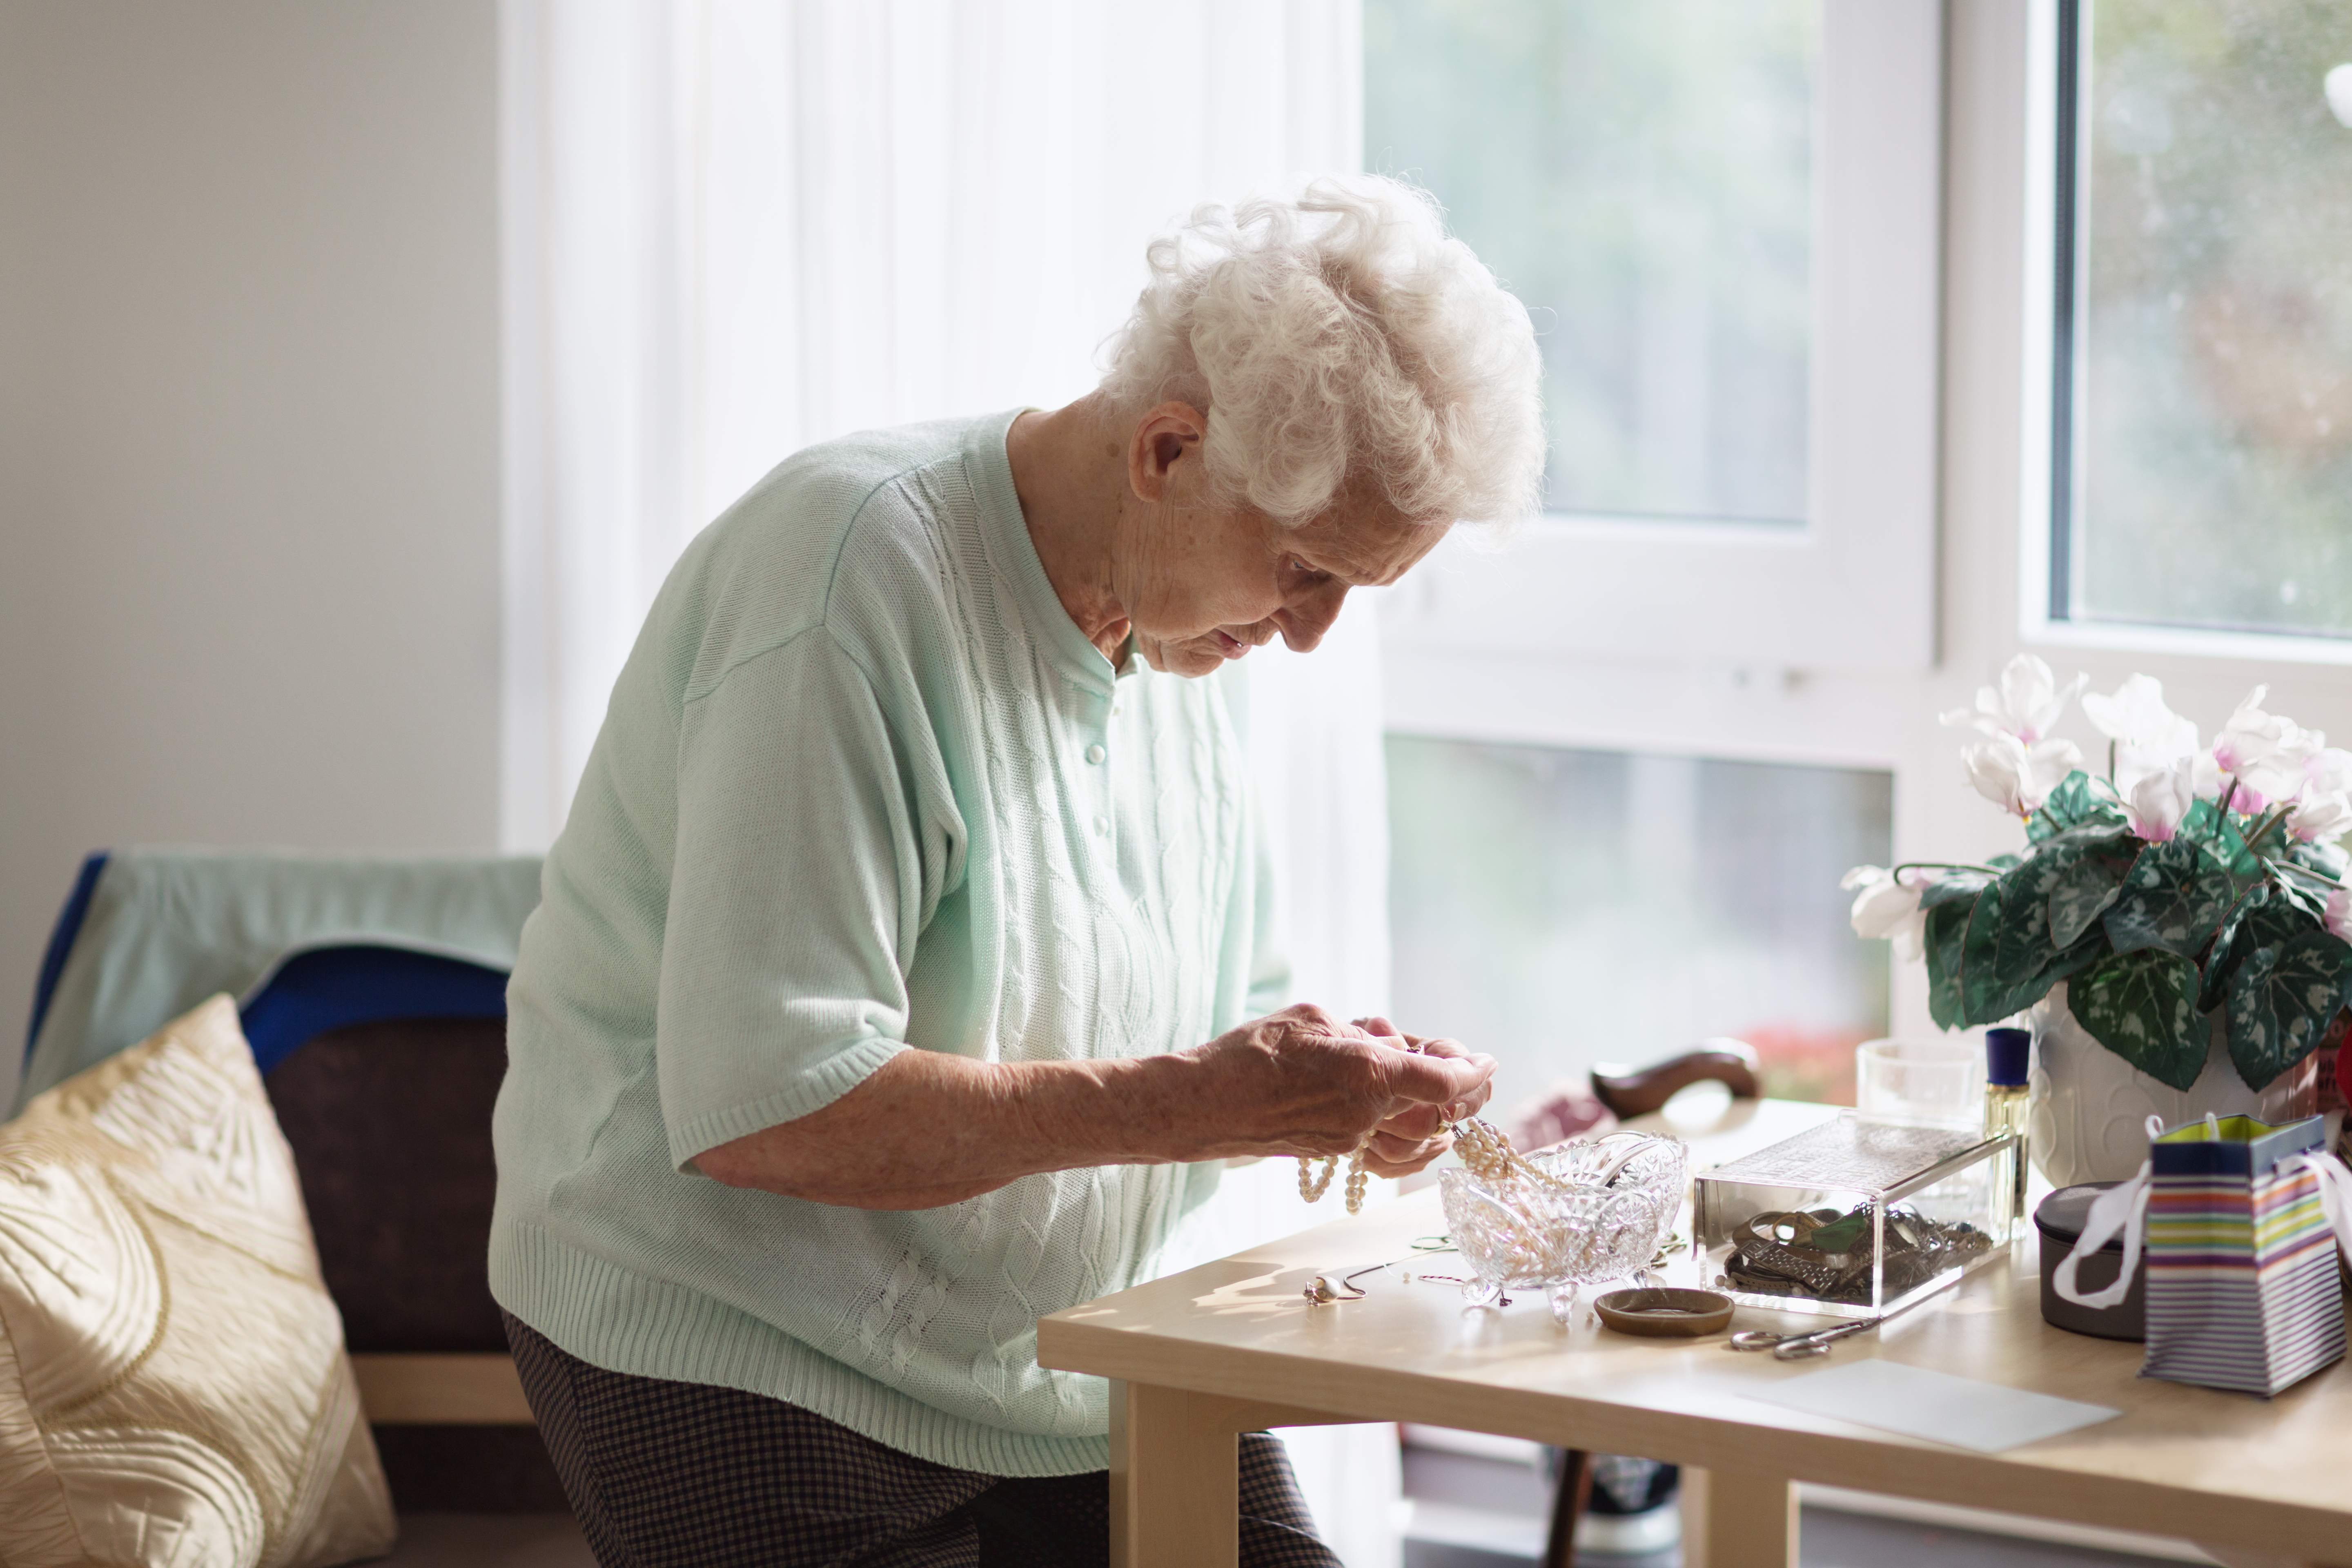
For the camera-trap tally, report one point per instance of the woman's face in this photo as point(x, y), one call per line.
point(1204, 585)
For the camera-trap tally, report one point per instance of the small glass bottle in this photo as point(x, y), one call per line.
point(2008, 1053)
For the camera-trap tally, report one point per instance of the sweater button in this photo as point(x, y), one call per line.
point(1095, 754)
point(1102, 825)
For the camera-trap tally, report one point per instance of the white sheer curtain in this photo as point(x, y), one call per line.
point(735, 227)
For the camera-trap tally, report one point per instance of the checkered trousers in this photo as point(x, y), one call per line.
point(684, 1475)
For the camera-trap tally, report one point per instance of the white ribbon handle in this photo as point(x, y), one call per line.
point(2335, 1190)
point(2119, 1209)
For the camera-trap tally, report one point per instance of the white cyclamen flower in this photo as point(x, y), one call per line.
point(2159, 799)
point(2339, 912)
point(2285, 775)
point(1887, 907)
point(2027, 706)
point(2327, 770)
point(2265, 751)
point(2018, 777)
point(2318, 817)
point(2148, 736)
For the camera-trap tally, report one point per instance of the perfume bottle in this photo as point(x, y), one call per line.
point(2008, 1053)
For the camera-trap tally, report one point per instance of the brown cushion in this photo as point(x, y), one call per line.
point(391, 1128)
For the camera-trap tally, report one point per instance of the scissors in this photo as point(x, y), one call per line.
point(1797, 1347)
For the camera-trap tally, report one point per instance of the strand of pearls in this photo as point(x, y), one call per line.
point(1312, 1187)
point(1486, 1150)
point(1313, 1193)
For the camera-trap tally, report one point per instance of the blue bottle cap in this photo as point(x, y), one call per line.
point(2007, 1052)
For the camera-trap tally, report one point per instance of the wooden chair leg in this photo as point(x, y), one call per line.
point(1575, 1489)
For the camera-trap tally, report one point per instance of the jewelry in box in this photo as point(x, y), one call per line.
point(1853, 1217)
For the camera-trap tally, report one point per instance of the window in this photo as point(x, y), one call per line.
point(2201, 407)
point(1561, 908)
point(1643, 177)
point(1726, 216)
point(1633, 752)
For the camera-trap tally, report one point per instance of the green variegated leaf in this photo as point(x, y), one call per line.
point(2266, 917)
point(2282, 1000)
point(1954, 886)
point(2174, 896)
point(2329, 859)
point(2073, 804)
point(2286, 889)
point(2016, 999)
point(1948, 927)
point(2024, 946)
point(2112, 840)
point(2222, 836)
point(2082, 893)
point(2142, 1005)
point(2069, 962)
point(1981, 984)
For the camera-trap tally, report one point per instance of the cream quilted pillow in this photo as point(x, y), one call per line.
point(173, 1384)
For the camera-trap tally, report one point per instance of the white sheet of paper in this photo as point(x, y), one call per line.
point(1933, 1405)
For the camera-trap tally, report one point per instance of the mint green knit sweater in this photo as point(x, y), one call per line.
point(863, 787)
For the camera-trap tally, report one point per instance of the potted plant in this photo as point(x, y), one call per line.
point(2179, 927)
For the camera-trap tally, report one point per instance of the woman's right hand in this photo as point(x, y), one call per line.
point(1301, 1082)
point(928, 1127)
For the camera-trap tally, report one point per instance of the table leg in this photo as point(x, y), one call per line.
point(1175, 1472)
point(1732, 1519)
point(1175, 1486)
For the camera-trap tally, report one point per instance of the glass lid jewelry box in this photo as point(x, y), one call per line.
point(1853, 1219)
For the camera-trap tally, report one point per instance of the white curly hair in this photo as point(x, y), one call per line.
point(1339, 341)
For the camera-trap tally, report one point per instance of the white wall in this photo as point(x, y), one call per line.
point(248, 435)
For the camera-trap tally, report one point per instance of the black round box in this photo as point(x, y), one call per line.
point(2059, 1219)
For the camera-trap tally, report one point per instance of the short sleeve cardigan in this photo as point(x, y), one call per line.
point(863, 787)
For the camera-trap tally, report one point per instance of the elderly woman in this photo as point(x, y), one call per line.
point(903, 970)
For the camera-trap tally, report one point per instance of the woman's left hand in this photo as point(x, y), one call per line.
point(1409, 1141)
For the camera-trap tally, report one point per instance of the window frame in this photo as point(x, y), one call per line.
point(1854, 586)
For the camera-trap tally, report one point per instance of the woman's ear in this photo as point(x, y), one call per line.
point(1165, 437)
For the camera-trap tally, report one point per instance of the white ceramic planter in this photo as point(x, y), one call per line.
point(2090, 1109)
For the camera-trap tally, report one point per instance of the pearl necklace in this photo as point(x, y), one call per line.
point(1486, 1150)
point(1483, 1148)
point(1312, 1187)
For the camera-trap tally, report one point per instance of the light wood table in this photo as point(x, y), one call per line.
point(1234, 1346)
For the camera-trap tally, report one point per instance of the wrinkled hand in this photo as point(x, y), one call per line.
point(1299, 1082)
point(1411, 1139)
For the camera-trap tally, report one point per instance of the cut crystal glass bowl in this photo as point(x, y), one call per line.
point(1610, 1203)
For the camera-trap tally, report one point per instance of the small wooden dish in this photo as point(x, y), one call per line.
point(1667, 1314)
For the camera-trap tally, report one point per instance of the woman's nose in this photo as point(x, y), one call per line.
point(1306, 617)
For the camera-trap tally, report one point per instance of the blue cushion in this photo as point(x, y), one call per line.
point(61, 940)
point(332, 988)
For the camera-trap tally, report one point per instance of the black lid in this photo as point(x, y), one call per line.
point(2007, 1053)
point(2061, 1214)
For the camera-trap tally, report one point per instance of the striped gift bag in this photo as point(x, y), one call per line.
point(2242, 1289)
point(2240, 1220)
